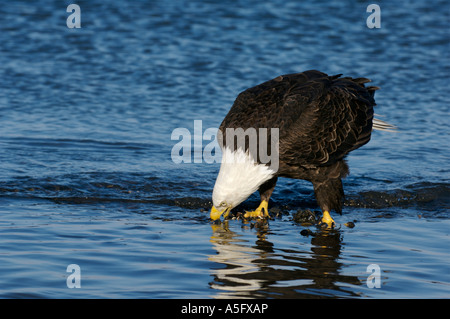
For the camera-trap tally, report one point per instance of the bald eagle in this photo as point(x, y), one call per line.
point(319, 118)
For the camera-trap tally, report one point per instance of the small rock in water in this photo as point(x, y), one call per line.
point(350, 224)
point(278, 212)
point(275, 210)
point(305, 217)
point(306, 232)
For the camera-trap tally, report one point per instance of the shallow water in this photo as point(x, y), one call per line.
point(87, 178)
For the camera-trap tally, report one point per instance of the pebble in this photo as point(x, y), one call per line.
point(350, 224)
point(306, 232)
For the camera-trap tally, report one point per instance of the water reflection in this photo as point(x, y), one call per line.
point(265, 271)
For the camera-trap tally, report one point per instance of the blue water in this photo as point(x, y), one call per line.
point(87, 178)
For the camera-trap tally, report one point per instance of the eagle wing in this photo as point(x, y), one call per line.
point(336, 118)
point(265, 105)
point(320, 118)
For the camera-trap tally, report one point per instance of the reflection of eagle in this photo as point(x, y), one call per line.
point(320, 119)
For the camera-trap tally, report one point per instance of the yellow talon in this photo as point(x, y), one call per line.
point(262, 211)
point(326, 218)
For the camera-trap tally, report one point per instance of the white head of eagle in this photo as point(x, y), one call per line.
point(239, 177)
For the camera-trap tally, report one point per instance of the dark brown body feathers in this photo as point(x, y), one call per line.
point(320, 118)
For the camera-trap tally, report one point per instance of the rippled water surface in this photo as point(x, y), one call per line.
point(87, 178)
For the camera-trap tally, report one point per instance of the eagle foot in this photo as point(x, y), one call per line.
point(261, 212)
point(327, 220)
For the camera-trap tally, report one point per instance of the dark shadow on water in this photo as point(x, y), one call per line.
point(148, 189)
point(265, 271)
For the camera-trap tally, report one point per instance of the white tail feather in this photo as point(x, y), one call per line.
point(380, 125)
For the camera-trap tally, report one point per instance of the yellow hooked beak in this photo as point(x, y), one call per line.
point(215, 214)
